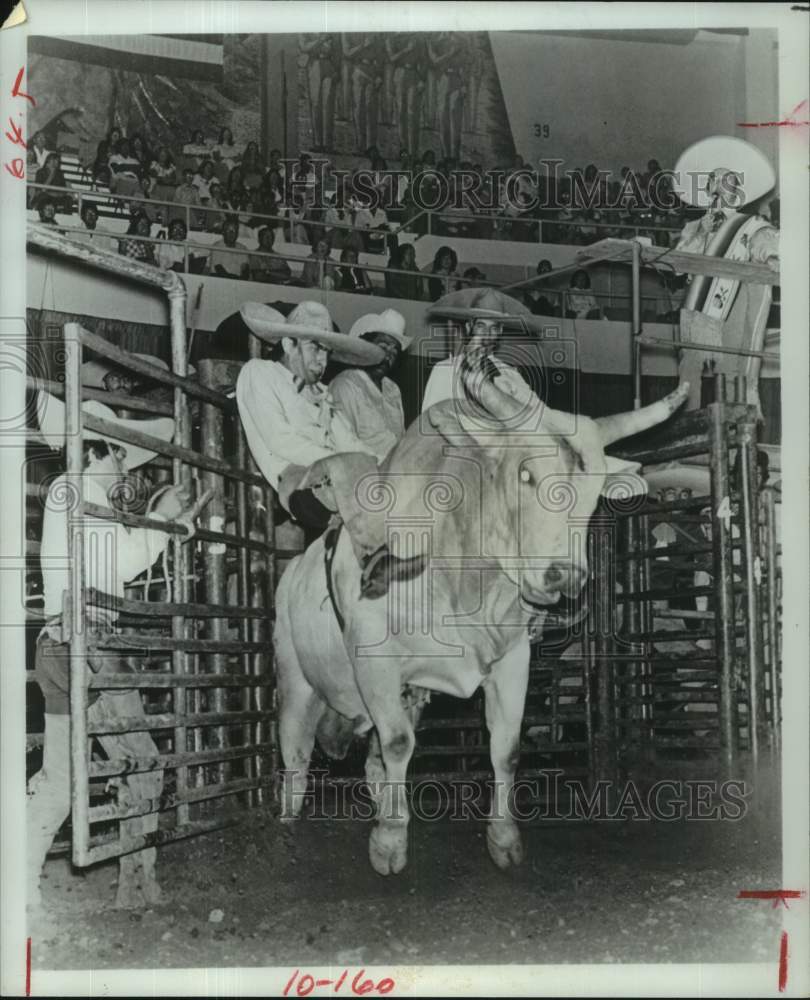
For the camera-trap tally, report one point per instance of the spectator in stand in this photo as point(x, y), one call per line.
point(473, 276)
point(186, 193)
point(221, 169)
point(353, 278)
point(203, 179)
point(274, 269)
point(164, 175)
point(252, 166)
point(50, 173)
point(140, 225)
point(198, 149)
point(171, 256)
point(46, 207)
point(217, 209)
point(336, 218)
point(100, 168)
point(404, 286)
point(296, 214)
point(228, 150)
point(37, 151)
point(537, 300)
point(94, 234)
point(224, 263)
point(376, 222)
point(125, 170)
point(236, 192)
point(319, 270)
point(141, 152)
point(581, 302)
point(443, 270)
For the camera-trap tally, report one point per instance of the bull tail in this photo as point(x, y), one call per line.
point(335, 733)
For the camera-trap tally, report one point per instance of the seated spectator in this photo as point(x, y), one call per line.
point(203, 179)
point(444, 268)
point(353, 278)
point(100, 168)
point(537, 300)
point(171, 256)
point(580, 301)
point(138, 248)
point(38, 152)
point(217, 209)
point(228, 150)
point(252, 166)
point(404, 286)
point(141, 152)
point(236, 192)
point(226, 264)
point(221, 169)
point(337, 216)
point(296, 214)
point(46, 207)
point(273, 269)
point(186, 193)
point(473, 277)
point(94, 233)
point(125, 170)
point(198, 149)
point(319, 270)
point(164, 175)
point(51, 175)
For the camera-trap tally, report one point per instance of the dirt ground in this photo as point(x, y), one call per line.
point(304, 895)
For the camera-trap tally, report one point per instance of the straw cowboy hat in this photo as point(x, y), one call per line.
point(308, 321)
point(483, 303)
point(51, 416)
point(390, 322)
point(722, 153)
point(676, 476)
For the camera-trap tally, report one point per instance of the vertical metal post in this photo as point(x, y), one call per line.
point(752, 566)
point(74, 609)
point(724, 586)
point(636, 359)
point(215, 554)
point(181, 473)
point(605, 751)
point(771, 542)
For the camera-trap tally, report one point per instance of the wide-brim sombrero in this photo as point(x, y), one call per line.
point(270, 326)
point(94, 372)
point(679, 477)
point(722, 152)
point(500, 307)
point(52, 420)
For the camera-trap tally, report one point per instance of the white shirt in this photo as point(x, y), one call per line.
point(445, 381)
point(287, 422)
point(375, 415)
point(112, 555)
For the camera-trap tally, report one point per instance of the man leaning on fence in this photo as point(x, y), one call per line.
point(114, 554)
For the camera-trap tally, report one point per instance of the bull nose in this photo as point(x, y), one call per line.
point(559, 577)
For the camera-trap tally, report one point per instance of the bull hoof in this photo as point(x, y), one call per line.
point(507, 852)
point(388, 851)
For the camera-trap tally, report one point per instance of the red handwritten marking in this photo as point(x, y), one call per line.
point(783, 961)
point(28, 967)
point(16, 168)
point(777, 895)
point(359, 986)
point(791, 121)
point(16, 92)
point(16, 138)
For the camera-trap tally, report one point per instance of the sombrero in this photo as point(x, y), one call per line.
point(489, 304)
point(722, 152)
point(390, 322)
point(94, 372)
point(51, 416)
point(679, 477)
point(308, 321)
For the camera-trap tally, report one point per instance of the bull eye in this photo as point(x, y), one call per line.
point(526, 476)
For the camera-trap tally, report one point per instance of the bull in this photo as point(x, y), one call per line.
point(500, 498)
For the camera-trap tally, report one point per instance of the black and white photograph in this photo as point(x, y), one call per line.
point(404, 499)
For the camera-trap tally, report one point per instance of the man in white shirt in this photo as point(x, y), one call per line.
point(369, 400)
point(225, 262)
point(113, 555)
point(303, 444)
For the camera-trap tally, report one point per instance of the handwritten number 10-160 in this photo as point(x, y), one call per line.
point(542, 130)
point(359, 985)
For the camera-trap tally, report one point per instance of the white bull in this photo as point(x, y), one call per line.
point(502, 507)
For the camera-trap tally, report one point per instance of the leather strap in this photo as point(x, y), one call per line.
point(330, 541)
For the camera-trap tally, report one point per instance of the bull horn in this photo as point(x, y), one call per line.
point(622, 425)
point(482, 390)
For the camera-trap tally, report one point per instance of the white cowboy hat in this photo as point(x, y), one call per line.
point(489, 304)
point(679, 477)
point(94, 372)
point(389, 321)
point(51, 416)
point(718, 153)
point(308, 321)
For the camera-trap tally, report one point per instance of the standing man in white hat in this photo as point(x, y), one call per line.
point(113, 555)
point(303, 444)
point(369, 400)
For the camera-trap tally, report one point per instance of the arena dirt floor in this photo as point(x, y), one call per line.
point(602, 892)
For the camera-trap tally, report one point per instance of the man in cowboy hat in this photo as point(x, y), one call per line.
point(303, 444)
point(129, 551)
point(369, 400)
point(98, 374)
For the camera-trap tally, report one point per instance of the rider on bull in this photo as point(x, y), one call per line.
point(304, 446)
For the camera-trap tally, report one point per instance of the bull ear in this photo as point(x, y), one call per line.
point(622, 479)
point(622, 425)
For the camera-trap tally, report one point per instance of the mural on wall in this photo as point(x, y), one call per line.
point(402, 92)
